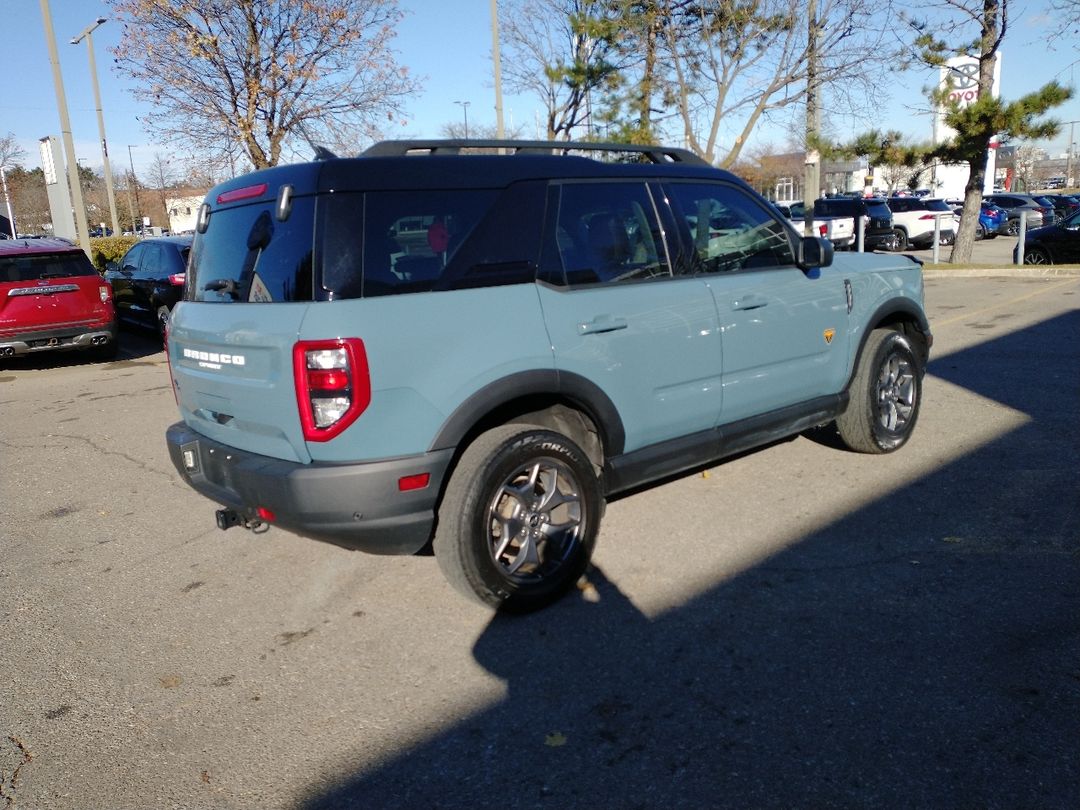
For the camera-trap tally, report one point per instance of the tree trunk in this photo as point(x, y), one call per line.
point(989, 42)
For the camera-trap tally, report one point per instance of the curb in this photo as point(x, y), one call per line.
point(1018, 271)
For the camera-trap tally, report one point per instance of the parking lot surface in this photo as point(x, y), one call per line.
point(797, 627)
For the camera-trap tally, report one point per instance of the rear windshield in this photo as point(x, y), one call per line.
point(50, 265)
point(877, 208)
point(247, 254)
point(937, 205)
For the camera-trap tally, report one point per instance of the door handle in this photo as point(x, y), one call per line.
point(749, 302)
point(602, 323)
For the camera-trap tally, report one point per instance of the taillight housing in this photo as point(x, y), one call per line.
point(823, 230)
point(333, 386)
point(177, 279)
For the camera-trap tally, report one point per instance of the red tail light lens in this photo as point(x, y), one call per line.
point(177, 279)
point(245, 193)
point(823, 230)
point(333, 386)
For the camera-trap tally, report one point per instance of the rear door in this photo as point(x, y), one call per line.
point(48, 290)
point(617, 316)
point(143, 281)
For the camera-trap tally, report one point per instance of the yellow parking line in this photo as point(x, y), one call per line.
point(964, 315)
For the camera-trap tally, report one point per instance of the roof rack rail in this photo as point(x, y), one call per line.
point(656, 154)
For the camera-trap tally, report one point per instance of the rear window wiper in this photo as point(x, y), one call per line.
point(222, 285)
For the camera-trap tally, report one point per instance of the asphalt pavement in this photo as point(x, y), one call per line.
point(798, 627)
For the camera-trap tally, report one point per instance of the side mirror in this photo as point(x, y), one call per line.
point(815, 252)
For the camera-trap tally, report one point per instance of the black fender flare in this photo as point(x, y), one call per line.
point(549, 383)
point(889, 311)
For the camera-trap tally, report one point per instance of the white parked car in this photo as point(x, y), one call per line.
point(914, 221)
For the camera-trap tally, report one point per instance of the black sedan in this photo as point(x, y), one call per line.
point(149, 280)
point(1054, 244)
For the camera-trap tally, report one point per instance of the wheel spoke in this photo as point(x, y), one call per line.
point(535, 518)
point(896, 393)
point(528, 555)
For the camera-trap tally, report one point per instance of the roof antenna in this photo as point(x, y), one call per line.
point(321, 152)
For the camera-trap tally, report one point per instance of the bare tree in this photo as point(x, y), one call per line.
point(563, 52)
point(266, 75)
point(11, 154)
point(743, 60)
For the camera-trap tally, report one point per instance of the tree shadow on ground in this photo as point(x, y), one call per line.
point(923, 651)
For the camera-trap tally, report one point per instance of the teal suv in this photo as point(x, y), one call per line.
point(468, 346)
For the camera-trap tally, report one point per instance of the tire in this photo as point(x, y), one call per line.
point(1013, 228)
point(885, 395)
point(900, 240)
point(980, 231)
point(519, 519)
point(163, 316)
point(1036, 255)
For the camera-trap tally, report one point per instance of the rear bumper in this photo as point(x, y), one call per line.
point(85, 336)
point(357, 506)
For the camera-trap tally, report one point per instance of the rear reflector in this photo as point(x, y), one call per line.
point(411, 482)
point(265, 514)
point(245, 193)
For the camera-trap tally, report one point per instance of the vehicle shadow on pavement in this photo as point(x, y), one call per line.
point(923, 651)
point(133, 346)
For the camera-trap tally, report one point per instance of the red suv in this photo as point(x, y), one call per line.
point(52, 298)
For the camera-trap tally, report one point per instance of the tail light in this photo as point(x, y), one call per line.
point(177, 279)
point(333, 386)
point(823, 229)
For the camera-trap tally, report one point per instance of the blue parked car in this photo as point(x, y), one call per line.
point(992, 221)
point(426, 347)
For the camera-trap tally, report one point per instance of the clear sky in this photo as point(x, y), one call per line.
point(447, 43)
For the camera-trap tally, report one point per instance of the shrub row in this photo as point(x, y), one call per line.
point(107, 249)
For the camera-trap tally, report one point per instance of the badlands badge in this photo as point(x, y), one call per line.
point(829, 334)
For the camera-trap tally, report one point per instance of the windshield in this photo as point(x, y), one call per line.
point(45, 266)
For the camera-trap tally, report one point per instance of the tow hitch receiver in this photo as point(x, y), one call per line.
point(227, 518)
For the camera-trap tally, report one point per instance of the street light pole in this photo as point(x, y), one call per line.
point(88, 34)
point(65, 131)
point(500, 132)
point(465, 109)
point(1069, 155)
point(134, 182)
point(7, 199)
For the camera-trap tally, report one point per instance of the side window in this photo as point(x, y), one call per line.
point(729, 229)
point(609, 232)
point(150, 266)
point(132, 259)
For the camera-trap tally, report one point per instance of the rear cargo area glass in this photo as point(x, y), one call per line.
point(248, 255)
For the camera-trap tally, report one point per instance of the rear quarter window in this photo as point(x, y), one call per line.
point(393, 242)
point(248, 255)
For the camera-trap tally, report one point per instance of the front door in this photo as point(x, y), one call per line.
point(784, 329)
